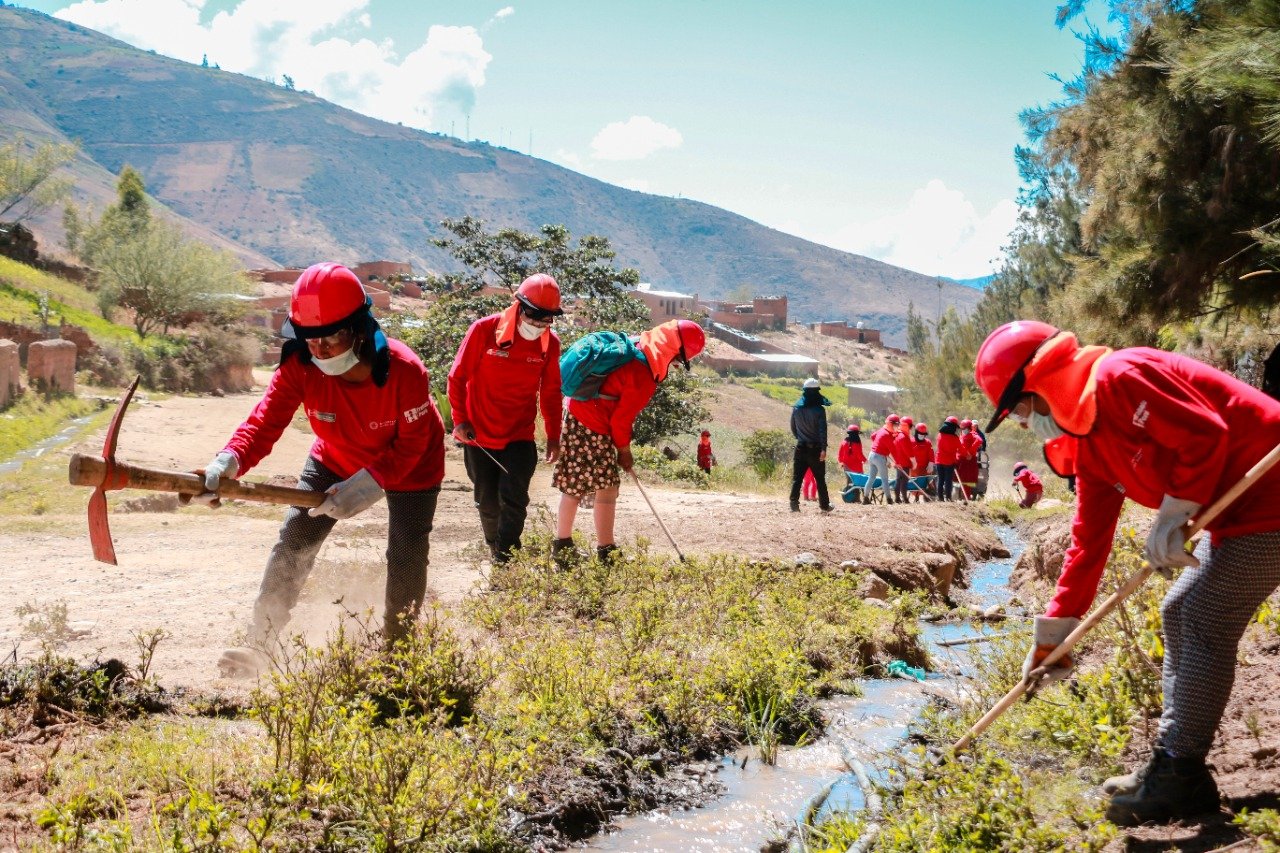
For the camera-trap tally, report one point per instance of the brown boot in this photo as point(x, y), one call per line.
point(1172, 789)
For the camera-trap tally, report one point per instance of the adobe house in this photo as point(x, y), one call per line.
point(665, 304)
point(381, 270)
point(875, 398)
point(842, 329)
point(766, 312)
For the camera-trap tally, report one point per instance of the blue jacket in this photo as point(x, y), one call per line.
point(809, 418)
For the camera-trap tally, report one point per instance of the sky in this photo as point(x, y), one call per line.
point(880, 127)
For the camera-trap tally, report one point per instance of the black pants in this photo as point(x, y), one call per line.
point(502, 499)
point(808, 458)
point(946, 473)
point(294, 555)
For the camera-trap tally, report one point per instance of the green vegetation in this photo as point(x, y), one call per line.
point(839, 414)
point(681, 470)
point(1025, 784)
point(27, 183)
point(557, 687)
point(1264, 826)
point(35, 417)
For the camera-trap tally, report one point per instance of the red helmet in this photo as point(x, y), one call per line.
point(327, 298)
point(692, 339)
point(706, 433)
point(966, 424)
point(853, 428)
point(1019, 467)
point(907, 422)
point(540, 294)
point(1001, 360)
point(893, 419)
point(952, 419)
point(922, 428)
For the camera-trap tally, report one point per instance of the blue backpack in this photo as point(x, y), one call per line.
point(585, 365)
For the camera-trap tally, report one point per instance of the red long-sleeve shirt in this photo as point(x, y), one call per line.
point(970, 444)
point(882, 441)
point(851, 456)
point(1029, 481)
point(902, 450)
point(1165, 424)
point(949, 448)
point(921, 456)
point(705, 456)
point(632, 386)
point(498, 390)
point(394, 431)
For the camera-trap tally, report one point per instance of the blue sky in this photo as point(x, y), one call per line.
point(885, 128)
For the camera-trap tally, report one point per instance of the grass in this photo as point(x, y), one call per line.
point(557, 694)
point(35, 417)
point(839, 414)
point(21, 289)
point(27, 491)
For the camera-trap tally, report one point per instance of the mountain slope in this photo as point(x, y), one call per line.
point(296, 178)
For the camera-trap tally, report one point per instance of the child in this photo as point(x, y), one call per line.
point(706, 459)
point(1032, 488)
point(851, 457)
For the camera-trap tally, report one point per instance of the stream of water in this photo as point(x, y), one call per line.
point(13, 463)
point(761, 802)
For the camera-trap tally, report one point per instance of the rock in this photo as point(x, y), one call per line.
point(1264, 753)
point(942, 569)
point(873, 587)
point(217, 392)
point(876, 602)
point(806, 559)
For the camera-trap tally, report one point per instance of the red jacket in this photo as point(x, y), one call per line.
point(970, 444)
point(1029, 481)
point(882, 441)
point(632, 385)
point(921, 456)
point(902, 449)
point(705, 455)
point(1165, 424)
point(949, 448)
point(851, 456)
point(394, 431)
point(497, 389)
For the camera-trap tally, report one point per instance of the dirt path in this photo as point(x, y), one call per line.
point(194, 571)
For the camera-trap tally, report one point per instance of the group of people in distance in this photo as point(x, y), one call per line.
point(901, 454)
point(378, 433)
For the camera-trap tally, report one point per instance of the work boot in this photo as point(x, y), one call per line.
point(795, 507)
point(1130, 782)
point(605, 552)
point(562, 551)
point(825, 509)
point(243, 662)
point(1172, 789)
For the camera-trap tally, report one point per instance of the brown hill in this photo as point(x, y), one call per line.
point(292, 177)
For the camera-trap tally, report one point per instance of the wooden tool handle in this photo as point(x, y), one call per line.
point(92, 471)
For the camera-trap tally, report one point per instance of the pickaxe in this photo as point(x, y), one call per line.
point(105, 474)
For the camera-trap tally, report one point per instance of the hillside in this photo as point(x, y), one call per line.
point(289, 176)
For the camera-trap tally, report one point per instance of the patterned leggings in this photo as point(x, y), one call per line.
point(1205, 615)
point(408, 534)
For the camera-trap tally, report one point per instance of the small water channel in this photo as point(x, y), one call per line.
point(13, 463)
point(760, 802)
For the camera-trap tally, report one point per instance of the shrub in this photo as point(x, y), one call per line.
point(766, 449)
point(671, 470)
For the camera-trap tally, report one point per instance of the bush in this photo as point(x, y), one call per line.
point(671, 470)
point(766, 449)
point(209, 359)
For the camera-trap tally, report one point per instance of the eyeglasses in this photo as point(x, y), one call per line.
point(538, 315)
point(337, 339)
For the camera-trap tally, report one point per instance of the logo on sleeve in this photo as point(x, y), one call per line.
point(1140, 415)
point(411, 415)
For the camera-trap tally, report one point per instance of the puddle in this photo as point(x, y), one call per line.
point(761, 803)
point(61, 437)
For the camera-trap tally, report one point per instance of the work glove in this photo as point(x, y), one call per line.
point(464, 433)
point(1050, 631)
point(1167, 541)
point(225, 464)
point(350, 497)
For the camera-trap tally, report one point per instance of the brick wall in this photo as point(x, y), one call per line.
point(848, 333)
point(51, 366)
point(382, 269)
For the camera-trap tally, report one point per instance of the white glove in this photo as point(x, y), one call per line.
point(1049, 633)
point(350, 497)
point(225, 464)
point(1166, 543)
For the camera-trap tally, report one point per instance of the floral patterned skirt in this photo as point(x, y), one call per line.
point(588, 461)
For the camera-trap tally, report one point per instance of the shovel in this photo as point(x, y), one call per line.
point(105, 474)
point(1257, 472)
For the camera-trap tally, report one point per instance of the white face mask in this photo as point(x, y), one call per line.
point(337, 365)
point(1045, 427)
point(530, 332)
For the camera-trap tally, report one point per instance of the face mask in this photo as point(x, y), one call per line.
point(1045, 427)
point(339, 364)
point(529, 332)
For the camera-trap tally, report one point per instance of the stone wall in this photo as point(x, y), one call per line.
point(51, 366)
point(10, 372)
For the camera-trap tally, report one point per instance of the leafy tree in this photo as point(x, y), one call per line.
point(589, 282)
point(288, 82)
point(28, 185)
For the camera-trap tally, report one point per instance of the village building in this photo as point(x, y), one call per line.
point(841, 329)
point(665, 304)
point(875, 398)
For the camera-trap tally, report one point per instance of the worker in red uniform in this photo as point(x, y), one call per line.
point(902, 458)
point(596, 440)
point(947, 455)
point(852, 458)
point(967, 463)
point(507, 368)
point(1030, 487)
point(706, 458)
point(921, 455)
point(1173, 435)
point(881, 454)
point(378, 433)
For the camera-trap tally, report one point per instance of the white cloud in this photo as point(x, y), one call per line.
point(634, 139)
point(504, 12)
point(939, 232)
point(312, 41)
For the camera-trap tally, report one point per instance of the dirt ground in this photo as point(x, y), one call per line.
point(194, 571)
